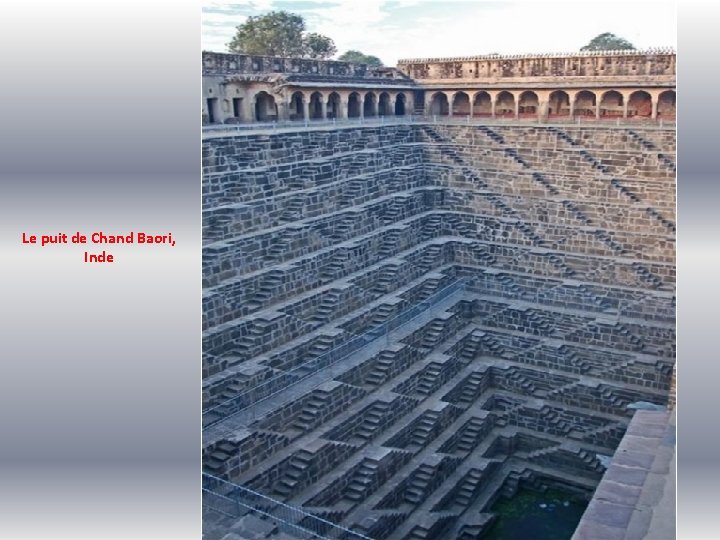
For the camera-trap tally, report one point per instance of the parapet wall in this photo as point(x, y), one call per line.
point(630, 65)
point(229, 64)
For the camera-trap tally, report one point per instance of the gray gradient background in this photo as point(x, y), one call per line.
point(100, 378)
point(100, 364)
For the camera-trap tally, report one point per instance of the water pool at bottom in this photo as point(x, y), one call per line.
point(531, 515)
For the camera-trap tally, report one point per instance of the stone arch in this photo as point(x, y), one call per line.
point(611, 104)
point(528, 104)
point(439, 104)
point(505, 104)
point(265, 107)
point(297, 106)
point(384, 107)
point(461, 104)
point(400, 104)
point(333, 105)
point(666, 104)
point(316, 101)
point(640, 104)
point(370, 105)
point(482, 104)
point(559, 103)
point(585, 103)
point(354, 106)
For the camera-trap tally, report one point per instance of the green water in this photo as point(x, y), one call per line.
point(530, 515)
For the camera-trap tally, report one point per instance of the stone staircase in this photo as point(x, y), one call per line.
point(471, 435)
point(336, 267)
point(613, 432)
point(429, 378)
point(321, 345)
point(469, 487)
point(386, 280)
point(389, 243)
point(424, 429)
point(430, 257)
point(309, 416)
point(579, 214)
point(382, 368)
point(266, 290)
point(438, 522)
point(359, 485)
point(295, 473)
point(530, 233)
point(492, 345)
point(328, 306)
point(470, 348)
point(508, 284)
point(278, 249)
point(429, 287)
point(393, 213)
point(373, 421)
point(471, 389)
point(343, 228)
point(432, 335)
point(418, 483)
point(379, 525)
point(382, 314)
point(293, 209)
point(646, 276)
point(647, 145)
point(596, 164)
point(450, 386)
point(214, 462)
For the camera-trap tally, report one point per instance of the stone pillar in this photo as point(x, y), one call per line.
point(450, 104)
point(543, 110)
point(343, 112)
point(597, 107)
point(572, 108)
point(253, 109)
point(306, 109)
point(283, 111)
point(492, 106)
point(517, 106)
point(625, 107)
point(248, 109)
point(654, 102)
point(472, 105)
point(323, 108)
point(223, 110)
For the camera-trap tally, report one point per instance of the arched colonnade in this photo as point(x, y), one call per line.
point(599, 104)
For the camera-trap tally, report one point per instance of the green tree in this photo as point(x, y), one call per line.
point(280, 33)
point(608, 42)
point(360, 58)
point(318, 46)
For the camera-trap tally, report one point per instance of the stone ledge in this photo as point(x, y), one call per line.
point(635, 499)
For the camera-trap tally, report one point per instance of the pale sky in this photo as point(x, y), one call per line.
point(393, 29)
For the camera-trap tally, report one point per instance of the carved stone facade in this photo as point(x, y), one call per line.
point(594, 85)
point(240, 88)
